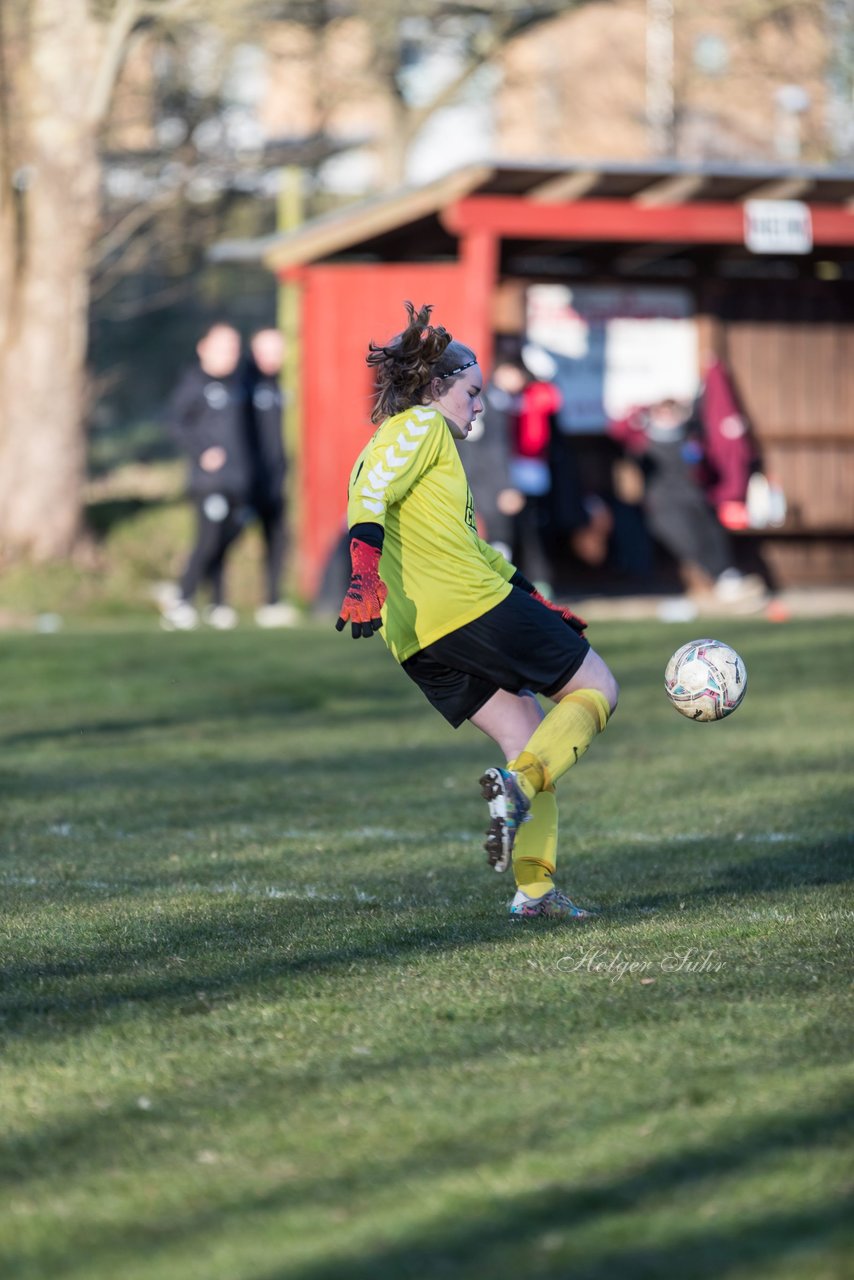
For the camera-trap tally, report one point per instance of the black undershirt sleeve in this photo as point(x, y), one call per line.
point(370, 533)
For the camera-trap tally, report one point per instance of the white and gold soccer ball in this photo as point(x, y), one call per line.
point(705, 680)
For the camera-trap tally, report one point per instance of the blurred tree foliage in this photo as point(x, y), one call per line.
point(88, 216)
point(129, 142)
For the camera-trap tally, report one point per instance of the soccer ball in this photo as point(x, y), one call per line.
point(705, 680)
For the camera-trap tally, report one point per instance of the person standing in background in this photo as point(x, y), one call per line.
point(264, 403)
point(665, 439)
point(206, 417)
point(486, 456)
point(729, 450)
point(531, 476)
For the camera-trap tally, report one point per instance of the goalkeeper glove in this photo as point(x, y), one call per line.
point(366, 594)
point(571, 619)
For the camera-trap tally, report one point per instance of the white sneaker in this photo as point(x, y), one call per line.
point(729, 585)
point(179, 617)
point(281, 614)
point(166, 594)
point(734, 588)
point(221, 617)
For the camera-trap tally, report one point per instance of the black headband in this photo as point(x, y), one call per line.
point(459, 369)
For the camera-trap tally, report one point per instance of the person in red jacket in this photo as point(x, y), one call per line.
point(531, 476)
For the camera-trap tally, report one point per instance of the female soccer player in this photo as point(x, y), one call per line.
point(473, 634)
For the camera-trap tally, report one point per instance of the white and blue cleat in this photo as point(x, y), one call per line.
point(509, 807)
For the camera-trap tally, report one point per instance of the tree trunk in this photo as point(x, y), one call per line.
point(48, 215)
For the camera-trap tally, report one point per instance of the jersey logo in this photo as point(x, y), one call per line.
point(382, 473)
point(471, 519)
point(414, 429)
point(392, 460)
point(378, 477)
point(371, 501)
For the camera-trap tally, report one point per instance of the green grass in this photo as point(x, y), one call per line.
point(263, 1016)
point(140, 529)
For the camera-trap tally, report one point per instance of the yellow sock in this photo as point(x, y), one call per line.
point(560, 740)
point(535, 850)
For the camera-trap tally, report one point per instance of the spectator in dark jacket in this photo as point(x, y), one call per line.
point(206, 416)
point(264, 405)
point(667, 441)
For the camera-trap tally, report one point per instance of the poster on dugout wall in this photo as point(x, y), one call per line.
point(614, 347)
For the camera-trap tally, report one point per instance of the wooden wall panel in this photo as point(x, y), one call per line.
point(790, 346)
point(818, 480)
point(806, 562)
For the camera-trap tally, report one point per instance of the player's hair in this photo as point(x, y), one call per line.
point(407, 364)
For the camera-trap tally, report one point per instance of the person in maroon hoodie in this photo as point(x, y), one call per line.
point(730, 455)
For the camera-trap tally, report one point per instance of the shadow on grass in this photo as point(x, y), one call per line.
point(249, 711)
point(214, 767)
point(85, 730)
point(251, 708)
point(168, 964)
point(88, 1142)
point(533, 1230)
point(229, 947)
point(792, 867)
point(529, 1234)
point(77, 1002)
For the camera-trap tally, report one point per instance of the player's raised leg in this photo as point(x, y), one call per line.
point(584, 706)
point(523, 805)
point(509, 719)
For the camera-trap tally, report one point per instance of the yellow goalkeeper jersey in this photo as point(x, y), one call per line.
point(439, 573)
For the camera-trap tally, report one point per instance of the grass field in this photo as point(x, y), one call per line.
point(263, 1015)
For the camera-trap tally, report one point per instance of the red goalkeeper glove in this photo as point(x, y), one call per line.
point(366, 594)
point(571, 619)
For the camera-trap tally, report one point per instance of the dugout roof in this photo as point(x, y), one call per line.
point(536, 206)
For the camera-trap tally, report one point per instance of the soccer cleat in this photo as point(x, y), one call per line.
point(509, 807)
point(553, 905)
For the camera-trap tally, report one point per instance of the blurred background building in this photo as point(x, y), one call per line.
point(364, 99)
point(203, 124)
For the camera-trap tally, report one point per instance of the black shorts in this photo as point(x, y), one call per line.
point(520, 644)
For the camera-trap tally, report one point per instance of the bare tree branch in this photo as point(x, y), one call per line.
point(485, 51)
point(135, 253)
point(124, 18)
point(126, 226)
point(166, 297)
